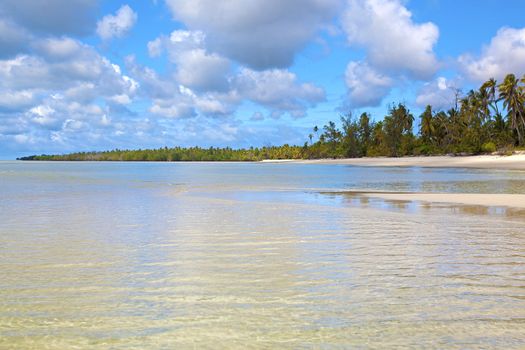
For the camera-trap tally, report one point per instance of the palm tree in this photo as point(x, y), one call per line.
point(489, 88)
point(482, 98)
point(427, 126)
point(511, 93)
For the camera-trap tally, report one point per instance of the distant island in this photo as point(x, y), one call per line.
point(486, 120)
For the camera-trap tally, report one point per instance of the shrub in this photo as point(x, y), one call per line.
point(488, 147)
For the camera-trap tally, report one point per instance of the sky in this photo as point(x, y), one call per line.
point(84, 75)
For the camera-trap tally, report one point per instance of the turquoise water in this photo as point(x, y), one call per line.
point(254, 255)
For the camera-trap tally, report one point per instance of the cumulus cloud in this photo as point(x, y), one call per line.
point(51, 17)
point(505, 54)
point(366, 86)
point(261, 34)
point(440, 93)
point(59, 93)
point(61, 49)
point(215, 89)
point(58, 125)
point(16, 100)
point(195, 66)
point(24, 22)
point(396, 48)
point(43, 115)
point(278, 90)
point(118, 25)
point(392, 40)
point(171, 99)
point(203, 71)
point(59, 65)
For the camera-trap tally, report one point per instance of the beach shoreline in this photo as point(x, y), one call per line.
point(489, 162)
point(513, 162)
point(503, 200)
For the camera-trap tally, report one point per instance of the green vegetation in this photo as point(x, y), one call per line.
point(182, 154)
point(483, 121)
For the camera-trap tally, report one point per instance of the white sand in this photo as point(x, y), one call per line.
point(514, 162)
point(490, 200)
point(277, 160)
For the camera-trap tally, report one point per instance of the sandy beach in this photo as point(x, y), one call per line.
point(514, 162)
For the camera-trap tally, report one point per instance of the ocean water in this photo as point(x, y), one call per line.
point(255, 255)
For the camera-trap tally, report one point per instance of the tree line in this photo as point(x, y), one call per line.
point(486, 120)
point(175, 154)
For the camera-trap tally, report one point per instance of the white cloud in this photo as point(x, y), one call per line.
point(195, 67)
point(118, 25)
point(393, 42)
point(366, 86)
point(505, 54)
point(396, 49)
point(278, 90)
point(22, 138)
point(16, 100)
point(58, 48)
point(440, 93)
point(152, 84)
point(185, 103)
point(203, 71)
point(155, 47)
point(209, 81)
point(261, 34)
point(42, 111)
point(105, 120)
point(64, 65)
point(42, 114)
point(58, 94)
point(184, 40)
point(73, 125)
point(122, 99)
point(172, 109)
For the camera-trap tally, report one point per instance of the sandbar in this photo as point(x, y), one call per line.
point(480, 199)
point(513, 162)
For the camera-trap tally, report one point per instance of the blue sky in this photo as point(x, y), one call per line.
point(79, 75)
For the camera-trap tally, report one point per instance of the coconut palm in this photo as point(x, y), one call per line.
point(490, 89)
point(511, 93)
point(427, 129)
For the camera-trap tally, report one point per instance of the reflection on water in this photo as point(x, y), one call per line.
point(120, 256)
point(360, 199)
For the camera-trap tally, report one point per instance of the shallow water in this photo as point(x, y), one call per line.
point(207, 255)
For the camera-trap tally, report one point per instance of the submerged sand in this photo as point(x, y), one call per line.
point(514, 162)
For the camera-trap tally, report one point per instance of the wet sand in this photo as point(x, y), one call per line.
point(489, 200)
point(514, 162)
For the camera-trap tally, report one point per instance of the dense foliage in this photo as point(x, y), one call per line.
point(182, 154)
point(483, 121)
